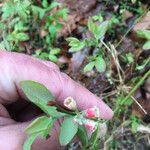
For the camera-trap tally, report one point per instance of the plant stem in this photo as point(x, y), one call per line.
point(137, 85)
point(135, 88)
point(136, 21)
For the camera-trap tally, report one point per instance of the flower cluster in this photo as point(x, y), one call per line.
point(85, 117)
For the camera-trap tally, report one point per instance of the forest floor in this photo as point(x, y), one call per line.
point(123, 79)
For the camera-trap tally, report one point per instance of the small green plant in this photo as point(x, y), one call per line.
point(13, 23)
point(98, 17)
point(146, 35)
point(98, 33)
point(135, 122)
point(52, 19)
point(52, 55)
point(128, 58)
point(27, 21)
point(75, 122)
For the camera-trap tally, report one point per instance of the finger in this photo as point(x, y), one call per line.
point(16, 67)
point(3, 112)
point(6, 121)
point(21, 67)
point(48, 64)
point(84, 98)
point(13, 137)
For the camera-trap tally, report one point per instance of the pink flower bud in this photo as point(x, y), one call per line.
point(90, 125)
point(70, 103)
point(92, 112)
point(102, 131)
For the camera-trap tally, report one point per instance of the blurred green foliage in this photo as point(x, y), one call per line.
point(23, 21)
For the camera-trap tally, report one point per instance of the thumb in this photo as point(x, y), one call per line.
point(13, 137)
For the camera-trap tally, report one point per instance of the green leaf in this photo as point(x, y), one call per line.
point(98, 17)
point(82, 134)
point(146, 46)
point(129, 58)
point(22, 36)
point(92, 26)
point(134, 123)
point(39, 95)
point(44, 56)
point(100, 64)
point(39, 125)
point(7, 9)
point(29, 141)
point(77, 48)
point(98, 31)
point(72, 40)
point(134, 126)
point(52, 31)
point(2, 45)
point(36, 92)
point(38, 11)
point(68, 131)
point(102, 28)
point(2, 26)
point(47, 131)
point(53, 5)
point(144, 34)
point(54, 51)
point(94, 138)
point(89, 66)
point(38, 52)
point(75, 44)
point(53, 58)
point(45, 3)
point(50, 110)
point(64, 13)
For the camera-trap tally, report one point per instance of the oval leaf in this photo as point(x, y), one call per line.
point(89, 67)
point(143, 34)
point(39, 125)
point(102, 29)
point(82, 134)
point(29, 141)
point(92, 26)
point(100, 64)
point(36, 92)
point(146, 46)
point(68, 131)
point(53, 58)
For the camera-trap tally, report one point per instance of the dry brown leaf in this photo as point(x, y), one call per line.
point(77, 11)
point(144, 23)
point(127, 14)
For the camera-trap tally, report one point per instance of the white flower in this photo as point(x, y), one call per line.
point(70, 103)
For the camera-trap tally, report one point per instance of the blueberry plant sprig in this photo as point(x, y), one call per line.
point(84, 124)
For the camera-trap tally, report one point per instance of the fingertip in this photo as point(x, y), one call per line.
point(107, 113)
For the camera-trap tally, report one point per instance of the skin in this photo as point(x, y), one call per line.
point(16, 67)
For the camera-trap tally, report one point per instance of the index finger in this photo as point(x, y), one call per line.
point(17, 67)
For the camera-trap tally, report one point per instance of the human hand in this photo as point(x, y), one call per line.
point(16, 67)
